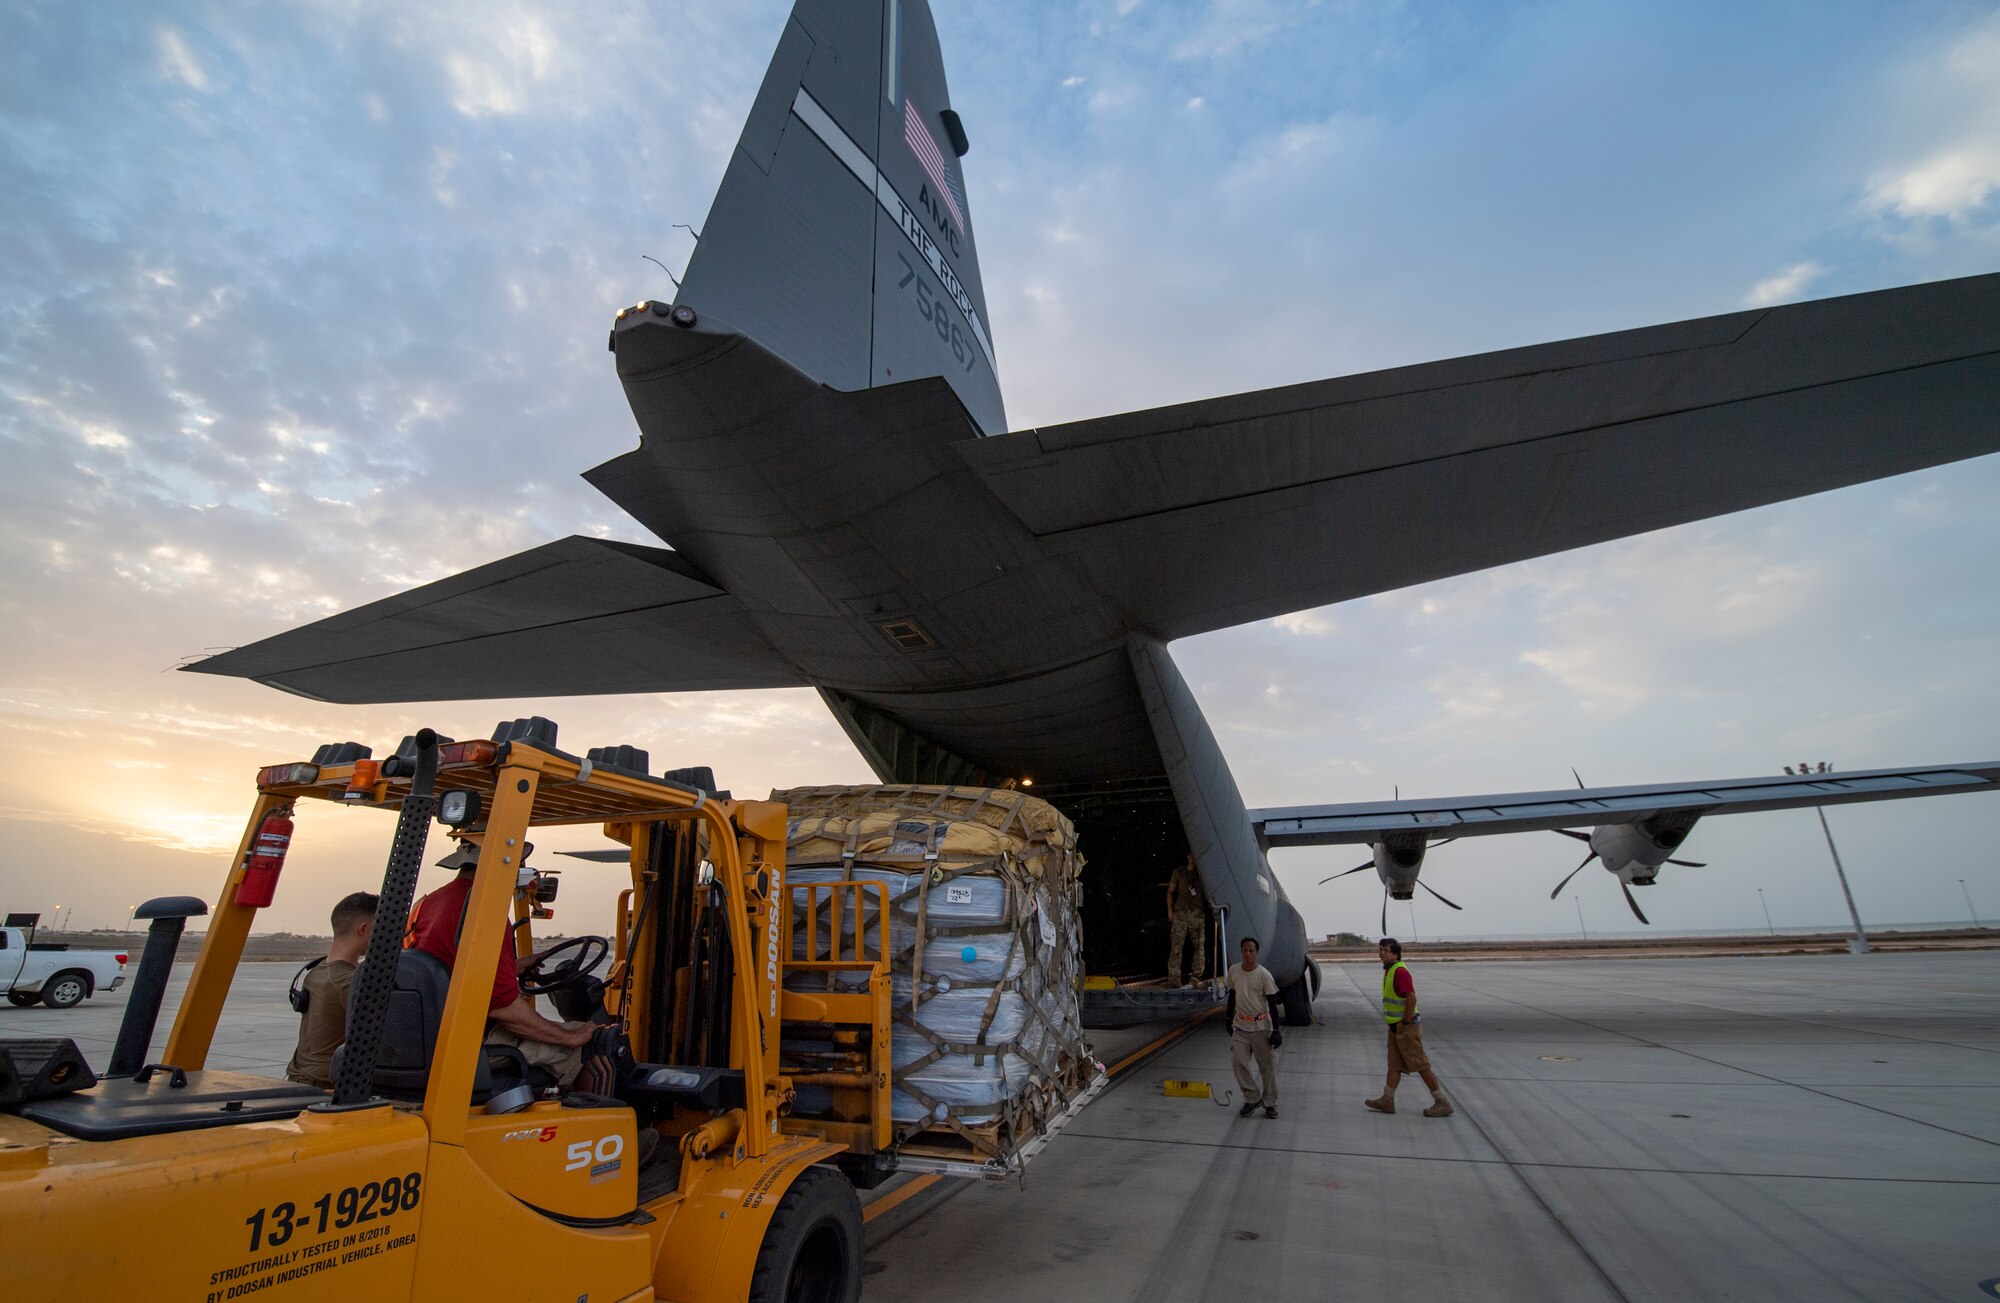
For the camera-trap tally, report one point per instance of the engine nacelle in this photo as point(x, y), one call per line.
point(1398, 859)
point(1635, 851)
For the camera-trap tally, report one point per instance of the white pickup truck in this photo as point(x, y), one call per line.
point(50, 973)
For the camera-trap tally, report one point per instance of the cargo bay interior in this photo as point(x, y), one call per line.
point(1131, 837)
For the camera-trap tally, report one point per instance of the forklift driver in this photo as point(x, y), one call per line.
point(555, 1047)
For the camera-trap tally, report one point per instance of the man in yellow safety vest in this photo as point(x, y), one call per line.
point(1406, 1035)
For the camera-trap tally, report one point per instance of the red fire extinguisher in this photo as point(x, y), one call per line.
point(267, 857)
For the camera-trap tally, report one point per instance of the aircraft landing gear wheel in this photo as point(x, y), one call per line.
point(21, 999)
point(1298, 1003)
point(812, 1249)
point(64, 991)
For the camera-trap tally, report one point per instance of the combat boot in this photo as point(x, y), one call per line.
point(1440, 1108)
point(1385, 1104)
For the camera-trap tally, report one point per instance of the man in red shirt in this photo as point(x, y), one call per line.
point(1406, 1035)
point(511, 1020)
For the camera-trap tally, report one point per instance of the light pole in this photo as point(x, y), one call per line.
point(1767, 912)
point(1968, 902)
point(1859, 945)
point(1413, 922)
point(1578, 902)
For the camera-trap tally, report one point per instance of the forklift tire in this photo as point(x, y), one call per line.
point(812, 1248)
point(1298, 1003)
point(22, 999)
point(65, 990)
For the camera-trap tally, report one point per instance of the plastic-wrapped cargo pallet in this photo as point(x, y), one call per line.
point(986, 950)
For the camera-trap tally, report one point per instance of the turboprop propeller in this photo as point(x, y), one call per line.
point(1397, 861)
point(1633, 852)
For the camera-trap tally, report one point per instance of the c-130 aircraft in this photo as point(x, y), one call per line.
point(824, 449)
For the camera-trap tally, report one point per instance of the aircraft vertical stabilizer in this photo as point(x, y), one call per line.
point(841, 238)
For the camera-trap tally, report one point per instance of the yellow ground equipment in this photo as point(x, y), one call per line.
point(441, 1168)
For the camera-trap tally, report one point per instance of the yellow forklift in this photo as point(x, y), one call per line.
point(441, 1166)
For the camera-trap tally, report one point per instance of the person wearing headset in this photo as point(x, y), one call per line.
point(321, 997)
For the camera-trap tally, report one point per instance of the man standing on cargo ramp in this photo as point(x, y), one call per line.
point(1406, 1033)
point(1189, 914)
point(1252, 1031)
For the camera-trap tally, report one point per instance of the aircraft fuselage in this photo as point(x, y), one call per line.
point(947, 639)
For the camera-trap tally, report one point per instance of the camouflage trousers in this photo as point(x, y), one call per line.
point(1186, 927)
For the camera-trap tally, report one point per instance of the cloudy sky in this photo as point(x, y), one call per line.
point(301, 305)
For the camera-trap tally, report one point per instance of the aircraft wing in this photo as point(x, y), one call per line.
point(577, 616)
point(1220, 512)
point(1473, 816)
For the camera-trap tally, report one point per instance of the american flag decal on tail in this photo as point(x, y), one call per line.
point(925, 147)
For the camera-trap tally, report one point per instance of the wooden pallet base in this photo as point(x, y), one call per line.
point(1001, 1140)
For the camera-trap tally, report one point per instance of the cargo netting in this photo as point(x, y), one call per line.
point(986, 951)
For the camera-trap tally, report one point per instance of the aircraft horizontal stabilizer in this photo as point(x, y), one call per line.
point(579, 616)
point(1470, 816)
point(1216, 513)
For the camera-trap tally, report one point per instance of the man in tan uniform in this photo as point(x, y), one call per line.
point(1252, 1031)
point(322, 1001)
point(1190, 920)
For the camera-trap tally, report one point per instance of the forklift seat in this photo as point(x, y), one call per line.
point(410, 1031)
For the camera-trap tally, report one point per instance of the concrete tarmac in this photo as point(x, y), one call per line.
point(1772, 1128)
point(257, 1033)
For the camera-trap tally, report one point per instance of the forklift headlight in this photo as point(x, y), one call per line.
point(458, 807)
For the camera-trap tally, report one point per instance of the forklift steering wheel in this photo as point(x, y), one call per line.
point(546, 974)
